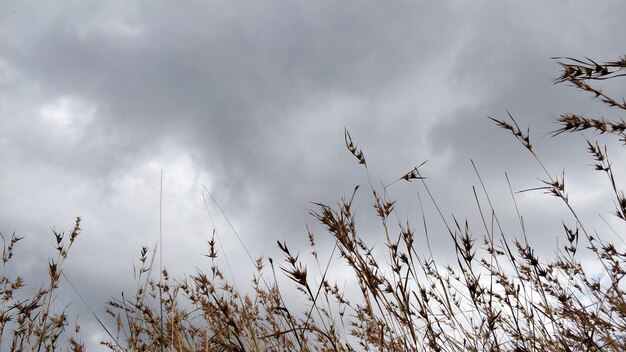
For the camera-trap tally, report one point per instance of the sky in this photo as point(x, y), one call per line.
point(251, 100)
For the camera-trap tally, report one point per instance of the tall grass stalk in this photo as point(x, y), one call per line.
point(497, 295)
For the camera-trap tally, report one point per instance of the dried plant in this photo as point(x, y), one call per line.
point(33, 322)
point(498, 295)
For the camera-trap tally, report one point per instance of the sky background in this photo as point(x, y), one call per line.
point(250, 99)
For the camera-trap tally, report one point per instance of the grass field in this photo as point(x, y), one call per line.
point(497, 296)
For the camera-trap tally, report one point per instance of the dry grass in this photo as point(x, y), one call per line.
point(31, 321)
point(498, 295)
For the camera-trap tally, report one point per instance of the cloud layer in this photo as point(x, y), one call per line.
point(252, 100)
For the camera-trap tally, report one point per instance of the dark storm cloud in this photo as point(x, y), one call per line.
point(506, 62)
point(251, 100)
point(236, 87)
point(231, 84)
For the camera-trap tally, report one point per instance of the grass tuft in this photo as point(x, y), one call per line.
point(498, 295)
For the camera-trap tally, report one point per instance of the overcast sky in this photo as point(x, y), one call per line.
point(250, 99)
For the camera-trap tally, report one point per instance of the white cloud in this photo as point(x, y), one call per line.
point(68, 116)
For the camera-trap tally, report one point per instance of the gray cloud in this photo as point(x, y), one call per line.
point(252, 100)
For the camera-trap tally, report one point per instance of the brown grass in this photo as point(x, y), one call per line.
point(499, 295)
point(31, 321)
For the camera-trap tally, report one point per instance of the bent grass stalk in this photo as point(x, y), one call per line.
point(498, 295)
